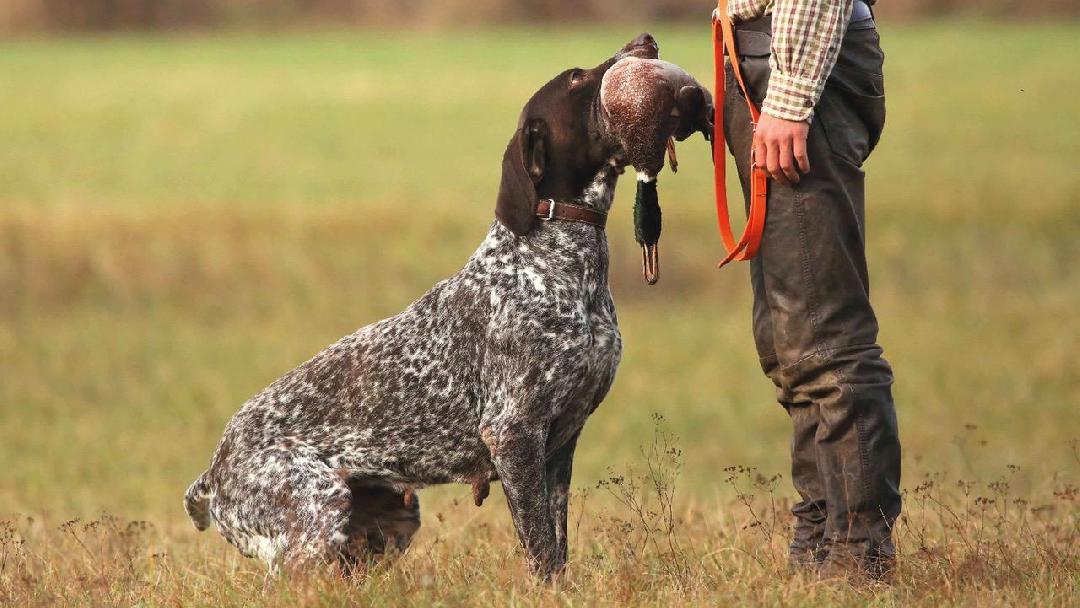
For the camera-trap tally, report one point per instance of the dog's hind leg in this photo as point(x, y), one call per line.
point(283, 505)
point(383, 519)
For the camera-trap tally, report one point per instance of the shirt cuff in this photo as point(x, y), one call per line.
point(790, 97)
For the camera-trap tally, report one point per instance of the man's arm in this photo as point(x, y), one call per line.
point(806, 38)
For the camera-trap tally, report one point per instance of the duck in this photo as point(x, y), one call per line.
point(649, 104)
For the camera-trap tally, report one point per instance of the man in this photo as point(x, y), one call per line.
point(814, 68)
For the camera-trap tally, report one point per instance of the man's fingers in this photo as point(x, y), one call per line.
point(787, 162)
point(761, 156)
point(780, 147)
point(801, 157)
point(772, 163)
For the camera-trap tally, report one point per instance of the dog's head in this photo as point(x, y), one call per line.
point(564, 138)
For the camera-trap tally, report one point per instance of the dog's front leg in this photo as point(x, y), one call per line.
point(559, 467)
point(519, 460)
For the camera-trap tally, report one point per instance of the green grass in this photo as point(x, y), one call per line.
point(182, 219)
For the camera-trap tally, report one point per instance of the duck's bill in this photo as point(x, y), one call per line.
point(650, 262)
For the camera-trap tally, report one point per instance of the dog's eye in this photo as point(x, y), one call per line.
point(576, 75)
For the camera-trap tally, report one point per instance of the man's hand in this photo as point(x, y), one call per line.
point(780, 147)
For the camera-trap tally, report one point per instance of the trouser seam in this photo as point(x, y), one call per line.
point(804, 257)
point(861, 443)
point(864, 455)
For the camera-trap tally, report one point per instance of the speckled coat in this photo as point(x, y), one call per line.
point(522, 341)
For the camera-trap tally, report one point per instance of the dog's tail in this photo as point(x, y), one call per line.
point(197, 502)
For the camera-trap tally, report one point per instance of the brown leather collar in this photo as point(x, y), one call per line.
point(548, 209)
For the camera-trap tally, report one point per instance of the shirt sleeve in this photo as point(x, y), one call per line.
point(806, 38)
point(747, 10)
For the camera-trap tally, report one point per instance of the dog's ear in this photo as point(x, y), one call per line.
point(522, 169)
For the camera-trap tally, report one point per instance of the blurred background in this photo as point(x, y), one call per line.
point(197, 195)
point(99, 15)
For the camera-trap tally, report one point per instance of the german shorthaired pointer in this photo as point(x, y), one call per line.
point(490, 375)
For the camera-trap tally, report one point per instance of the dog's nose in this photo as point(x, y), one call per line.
point(643, 46)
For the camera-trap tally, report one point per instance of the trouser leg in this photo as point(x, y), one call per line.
point(813, 317)
point(807, 543)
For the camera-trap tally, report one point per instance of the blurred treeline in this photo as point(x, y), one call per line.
point(105, 15)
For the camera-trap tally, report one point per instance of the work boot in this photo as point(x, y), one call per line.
point(860, 567)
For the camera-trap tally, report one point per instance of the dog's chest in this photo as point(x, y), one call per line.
point(600, 363)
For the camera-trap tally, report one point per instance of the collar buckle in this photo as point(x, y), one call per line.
point(551, 211)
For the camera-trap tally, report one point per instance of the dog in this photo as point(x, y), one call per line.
point(488, 376)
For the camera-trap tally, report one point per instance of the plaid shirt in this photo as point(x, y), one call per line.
point(806, 37)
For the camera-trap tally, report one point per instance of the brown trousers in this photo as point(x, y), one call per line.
point(814, 328)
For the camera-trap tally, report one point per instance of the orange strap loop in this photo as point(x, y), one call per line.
point(747, 246)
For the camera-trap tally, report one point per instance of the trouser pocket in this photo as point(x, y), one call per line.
point(851, 110)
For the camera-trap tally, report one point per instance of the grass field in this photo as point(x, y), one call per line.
point(182, 219)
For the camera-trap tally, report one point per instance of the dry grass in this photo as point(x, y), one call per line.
point(960, 543)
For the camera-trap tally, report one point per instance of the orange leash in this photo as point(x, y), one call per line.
point(747, 246)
